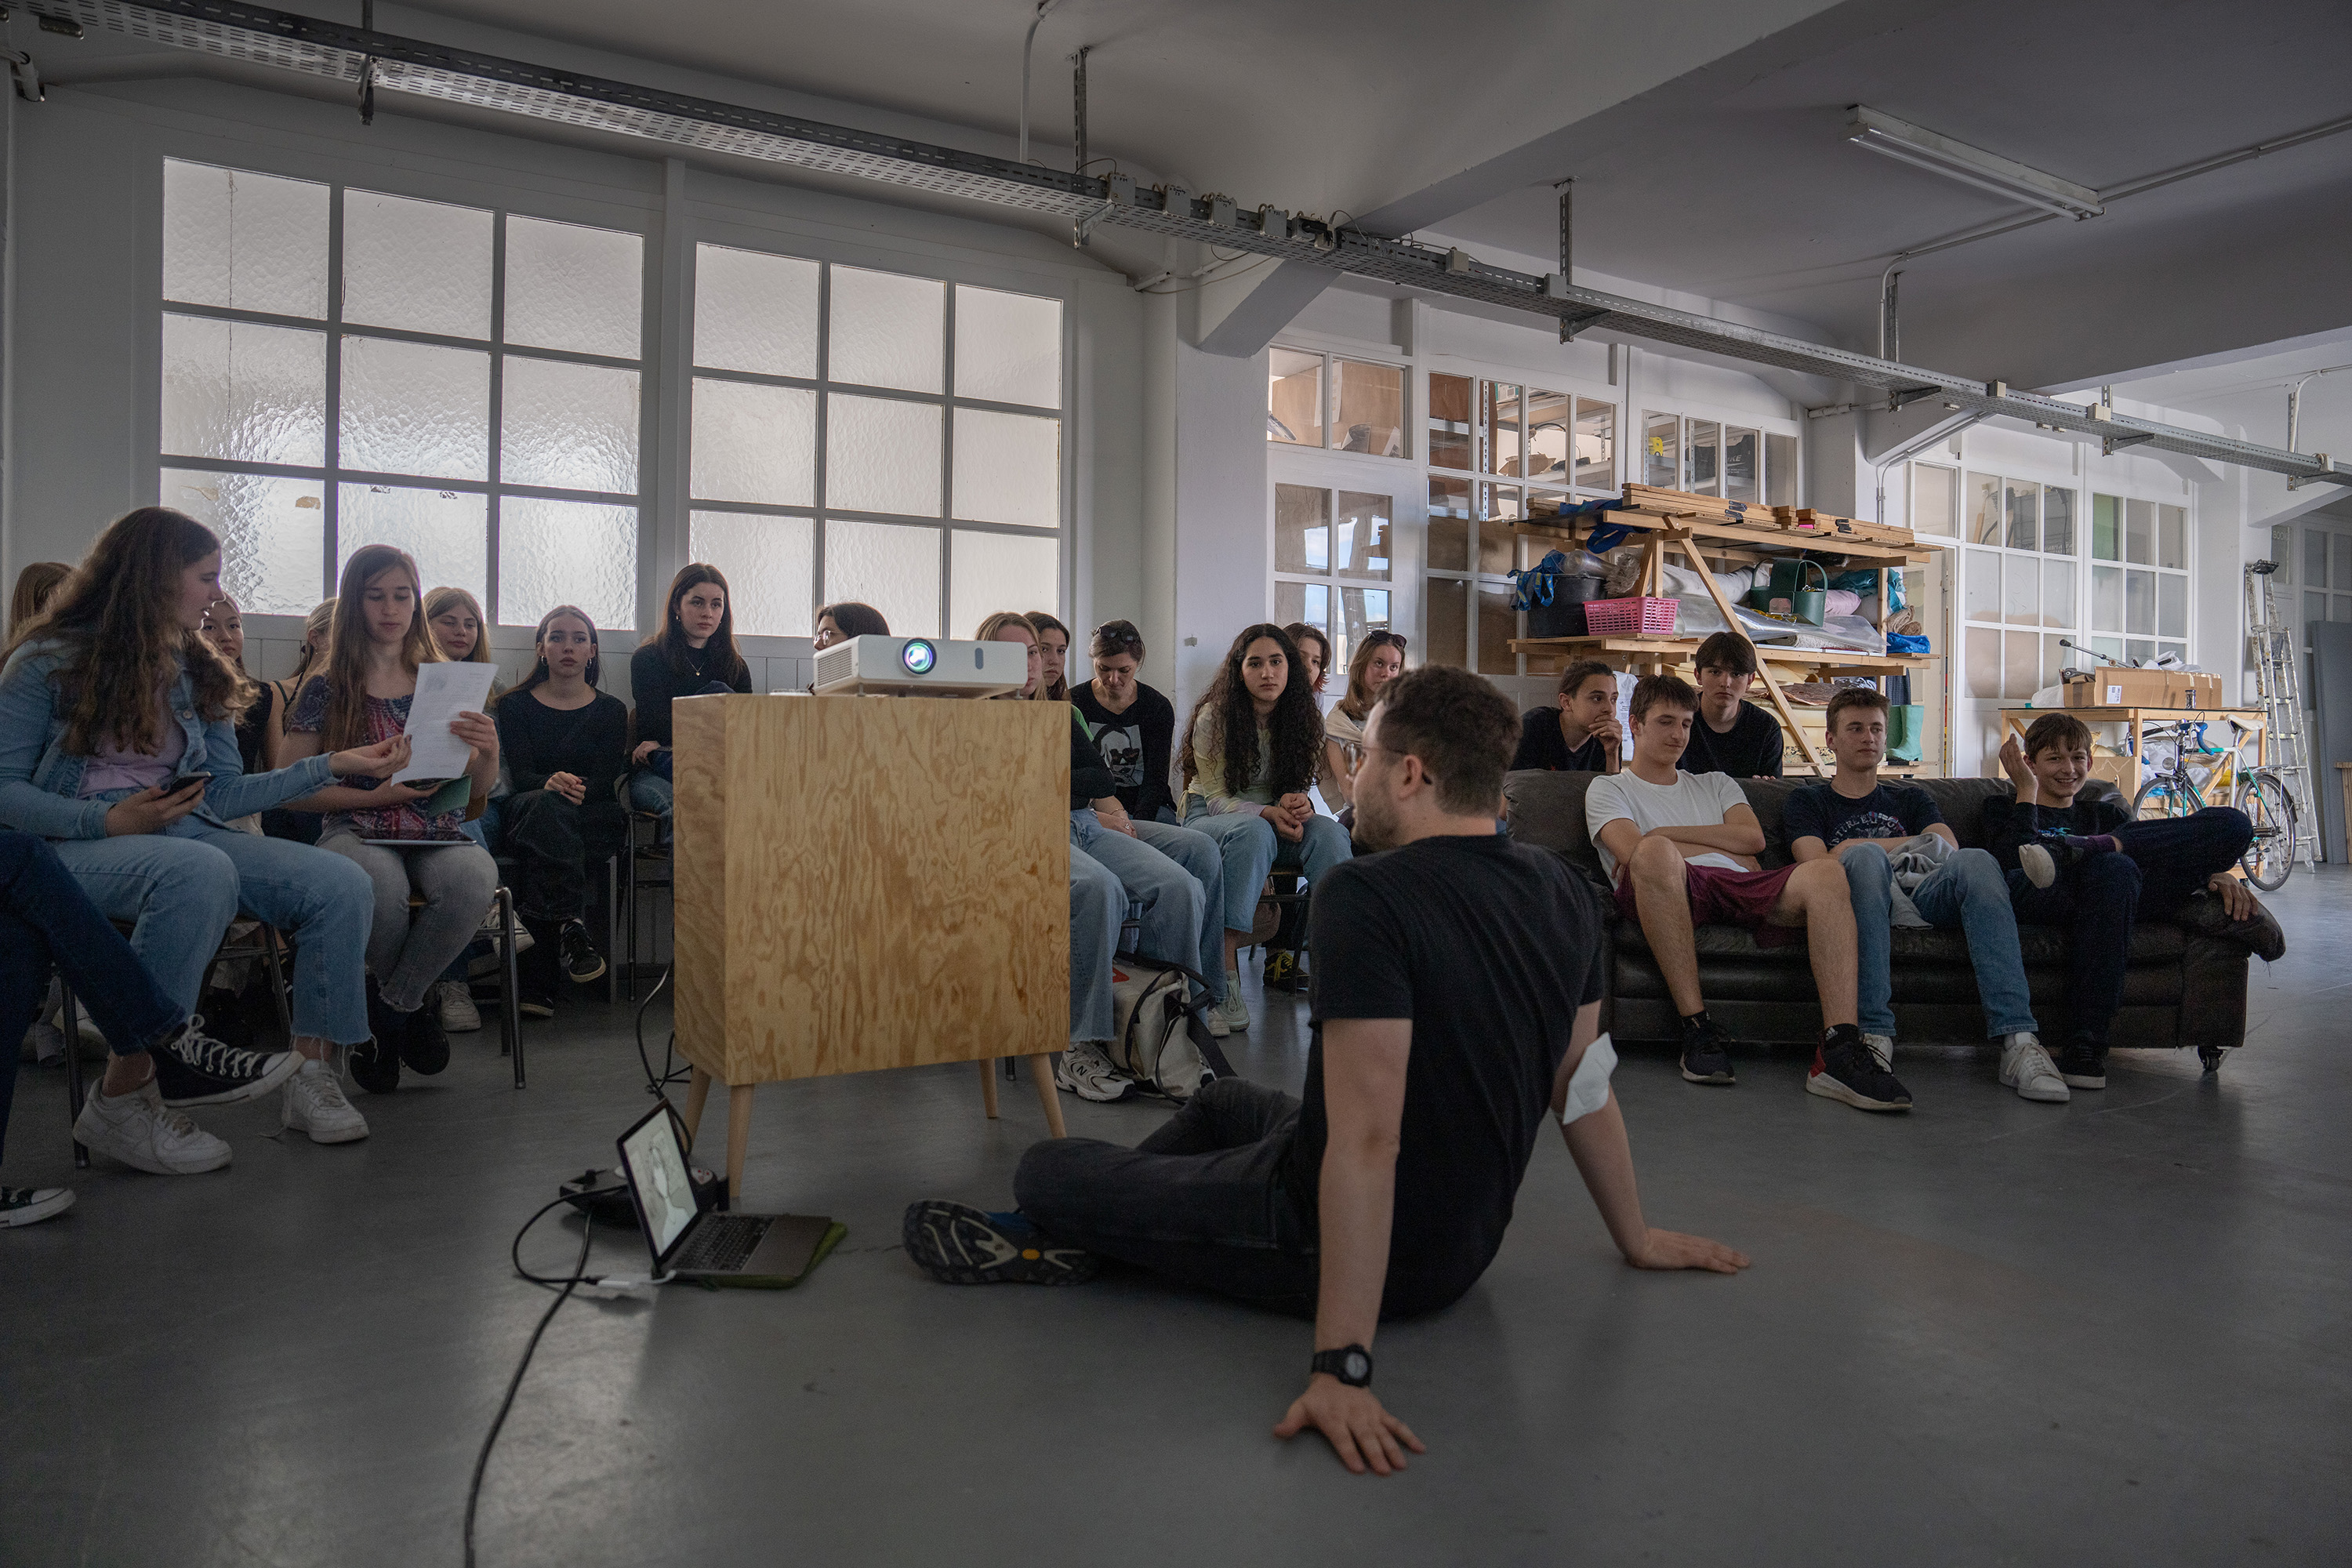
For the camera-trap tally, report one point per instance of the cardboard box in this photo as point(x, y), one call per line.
point(2117, 687)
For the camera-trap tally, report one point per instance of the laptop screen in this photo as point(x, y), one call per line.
point(655, 1164)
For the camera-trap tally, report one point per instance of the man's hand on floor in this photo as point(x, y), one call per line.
point(1351, 1419)
point(1672, 1249)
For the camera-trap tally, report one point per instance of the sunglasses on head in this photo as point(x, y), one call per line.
point(1119, 634)
point(1384, 639)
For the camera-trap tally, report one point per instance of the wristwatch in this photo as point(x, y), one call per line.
point(1352, 1365)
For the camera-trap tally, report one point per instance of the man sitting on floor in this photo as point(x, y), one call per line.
point(1456, 1005)
point(1863, 823)
point(1681, 849)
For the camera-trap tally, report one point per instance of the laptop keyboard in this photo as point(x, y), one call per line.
point(721, 1243)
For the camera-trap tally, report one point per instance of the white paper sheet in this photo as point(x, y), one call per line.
point(443, 691)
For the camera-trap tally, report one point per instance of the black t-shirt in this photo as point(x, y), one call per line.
point(1750, 749)
point(2009, 824)
point(1890, 811)
point(1134, 745)
point(1541, 745)
point(1489, 947)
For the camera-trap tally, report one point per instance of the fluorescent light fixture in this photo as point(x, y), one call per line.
point(1971, 165)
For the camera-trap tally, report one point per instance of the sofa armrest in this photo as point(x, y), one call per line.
point(2213, 994)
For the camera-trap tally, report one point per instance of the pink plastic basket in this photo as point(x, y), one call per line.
point(1630, 617)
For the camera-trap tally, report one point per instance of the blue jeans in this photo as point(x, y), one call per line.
point(1098, 908)
point(649, 792)
point(1967, 891)
point(1198, 854)
point(46, 918)
point(183, 885)
point(1251, 850)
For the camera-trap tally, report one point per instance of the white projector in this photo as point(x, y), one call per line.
point(919, 666)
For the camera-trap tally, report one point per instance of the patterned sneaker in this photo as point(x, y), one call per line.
point(957, 1244)
point(141, 1131)
point(1085, 1071)
point(31, 1205)
point(314, 1104)
point(2026, 1068)
point(193, 1068)
point(455, 1001)
point(1281, 972)
point(1844, 1069)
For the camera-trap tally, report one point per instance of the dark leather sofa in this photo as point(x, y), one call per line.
point(2186, 986)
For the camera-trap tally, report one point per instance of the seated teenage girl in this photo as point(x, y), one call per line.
point(1581, 735)
point(1053, 655)
point(1134, 724)
point(118, 743)
point(566, 746)
point(839, 623)
point(692, 654)
point(35, 583)
point(1379, 658)
point(224, 627)
point(363, 694)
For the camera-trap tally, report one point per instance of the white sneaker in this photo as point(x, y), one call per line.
point(2040, 868)
point(2026, 1068)
point(31, 1205)
point(1234, 1013)
point(1085, 1071)
point(458, 1013)
point(1882, 1047)
point(314, 1104)
point(145, 1134)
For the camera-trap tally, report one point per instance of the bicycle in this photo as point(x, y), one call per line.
point(2174, 791)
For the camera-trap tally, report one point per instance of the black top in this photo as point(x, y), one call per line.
point(1090, 780)
point(1893, 810)
point(1750, 749)
point(1489, 947)
point(253, 730)
point(1135, 746)
point(654, 684)
point(1541, 745)
point(591, 742)
point(2009, 824)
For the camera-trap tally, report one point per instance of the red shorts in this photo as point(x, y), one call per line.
point(1721, 898)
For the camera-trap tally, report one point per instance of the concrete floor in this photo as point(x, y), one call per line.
point(1990, 1332)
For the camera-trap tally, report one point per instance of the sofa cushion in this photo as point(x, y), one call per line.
point(2153, 942)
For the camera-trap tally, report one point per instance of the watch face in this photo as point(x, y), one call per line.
point(1358, 1365)
point(918, 657)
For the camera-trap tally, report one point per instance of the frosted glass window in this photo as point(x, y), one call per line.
point(581, 553)
point(769, 565)
point(1779, 470)
point(1294, 408)
point(575, 288)
point(245, 392)
point(448, 532)
point(2139, 532)
point(1499, 622)
point(273, 534)
point(991, 572)
point(1368, 408)
point(1935, 500)
point(754, 443)
point(2055, 657)
point(881, 455)
point(1701, 459)
point(754, 312)
point(1982, 593)
point(248, 242)
point(569, 427)
point(1449, 622)
point(2020, 591)
point(1307, 602)
point(2314, 557)
point(2171, 605)
point(2021, 664)
point(1596, 445)
point(891, 566)
point(1008, 347)
point(421, 266)
point(2139, 602)
point(1984, 662)
point(1662, 452)
point(2022, 502)
point(1302, 527)
point(887, 330)
point(1984, 520)
point(2057, 593)
point(1008, 467)
point(2107, 528)
point(1740, 465)
point(2058, 522)
point(2107, 598)
point(414, 408)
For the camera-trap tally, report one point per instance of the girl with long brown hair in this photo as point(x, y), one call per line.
point(1054, 652)
point(381, 639)
point(693, 655)
point(118, 742)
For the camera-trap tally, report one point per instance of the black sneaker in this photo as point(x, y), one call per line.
point(193, 1068)
point(425, 1044)
point(376, 1063)
point(1707, 1053)
point(957, 1244)
point(2083, 1065)
point(1845, 1068)
point(535, 1004)
point(581, 962)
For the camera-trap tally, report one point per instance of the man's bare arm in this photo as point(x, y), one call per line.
point(1738, 834)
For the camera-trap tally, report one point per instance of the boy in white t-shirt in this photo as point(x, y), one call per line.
point(1681, 849)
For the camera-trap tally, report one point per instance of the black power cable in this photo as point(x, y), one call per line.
point(656, 1084)
point(568, 1283)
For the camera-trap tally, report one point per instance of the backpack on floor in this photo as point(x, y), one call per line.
point(1159, 1034)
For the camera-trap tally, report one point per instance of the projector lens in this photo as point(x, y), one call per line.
point(918, 657)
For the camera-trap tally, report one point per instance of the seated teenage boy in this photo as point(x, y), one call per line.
point(1681, 849)
point(1579, 736)
point(1732, 735)
point(1862, 822)
point(2086, 866)
point(1456, 1002)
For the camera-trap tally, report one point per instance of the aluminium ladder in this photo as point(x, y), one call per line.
point(2278, 683)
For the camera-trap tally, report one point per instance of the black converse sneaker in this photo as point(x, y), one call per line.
point(581, 962)
point(31, 1205)
point(1845, 1068)
point(193, 1068)
point(1706, 1051)
point(375, 1061)
point(957, 1244)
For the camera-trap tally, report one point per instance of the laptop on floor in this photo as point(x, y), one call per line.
point(766, 1251)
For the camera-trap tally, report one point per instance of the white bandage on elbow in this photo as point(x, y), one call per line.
point(1588, 1087)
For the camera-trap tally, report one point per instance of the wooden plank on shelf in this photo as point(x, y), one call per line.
point(1681, 538)
point(1679, 649)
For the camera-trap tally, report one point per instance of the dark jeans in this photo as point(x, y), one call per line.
point(1201, 1201)
point(2162, 863)
point(553, 843)
point(46, 918)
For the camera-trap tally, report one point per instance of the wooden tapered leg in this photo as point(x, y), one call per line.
point(698, 1090)
point(987, 1087)
point(1041, 1073)
point(739, 1136)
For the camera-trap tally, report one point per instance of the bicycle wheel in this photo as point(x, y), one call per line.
point(2269, 860)
point(2163, 796)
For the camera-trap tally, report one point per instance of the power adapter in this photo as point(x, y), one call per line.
point(605, 1195)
